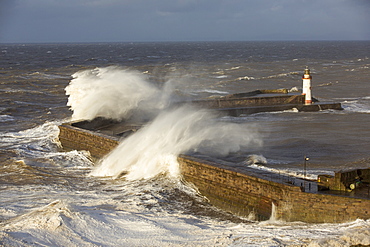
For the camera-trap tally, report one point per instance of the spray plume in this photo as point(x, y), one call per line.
point(116, 93)
point(153, 149)
point(110, 92)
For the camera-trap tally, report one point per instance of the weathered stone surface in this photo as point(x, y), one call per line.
point(249, 101)
point(80, 139)
point(244, 194)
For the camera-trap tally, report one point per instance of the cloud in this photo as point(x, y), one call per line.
point(178, 6)
point(5, 5)
point(182, 20)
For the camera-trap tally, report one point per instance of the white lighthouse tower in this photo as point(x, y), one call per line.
point(306, 90)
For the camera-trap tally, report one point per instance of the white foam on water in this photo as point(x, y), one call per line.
point(211, 91)
point(41, 75)
point(360, 105)
point(128, 214)
point(41, 144)
point(269, 77)
point(39, 137)
point(221, 76)
point(154, 148)
point(6, 118)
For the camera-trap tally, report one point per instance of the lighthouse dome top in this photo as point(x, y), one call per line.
point(307, 71)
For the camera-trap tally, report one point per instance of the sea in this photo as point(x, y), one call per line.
point(135, 196)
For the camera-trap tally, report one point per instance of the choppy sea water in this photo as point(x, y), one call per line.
point(49, 198)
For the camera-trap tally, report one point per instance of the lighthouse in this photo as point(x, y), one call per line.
point(306, 90)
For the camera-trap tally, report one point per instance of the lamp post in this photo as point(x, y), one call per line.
point(305, 165)
point(304, 171)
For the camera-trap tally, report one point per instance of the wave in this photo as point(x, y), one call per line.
point(145, 213)
point(17, 91)
point(221, 76)
point(211, 91)
point(117, 93)
point(255, 159)
point(357, 233)
point(110, 93)
point(39, 135)
point(154, 149)
point(41, 75)
point(6, 118)
point(359, 105)
point(247, 78)
point(41, 143)
point(48, 217)
point(40, 146)
point(109, 222)
point(269, 77)
point(282, 75)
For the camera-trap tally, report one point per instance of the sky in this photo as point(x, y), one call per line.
point(46, 21)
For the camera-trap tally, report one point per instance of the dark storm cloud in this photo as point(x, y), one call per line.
point(182, 20)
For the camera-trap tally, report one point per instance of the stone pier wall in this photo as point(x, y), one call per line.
point(79, 139)
point(247, 195)
point(250, 101)
point(236, 191)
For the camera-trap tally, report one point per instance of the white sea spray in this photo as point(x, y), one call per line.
point(110, 92)
point(154, 148)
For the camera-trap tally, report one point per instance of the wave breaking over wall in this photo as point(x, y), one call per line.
point(110, 92)
point(154, 148)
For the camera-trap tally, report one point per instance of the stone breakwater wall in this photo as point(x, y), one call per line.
point(249, 101)
point(73, 138)
point(237, 191)
point(252, 195)
point(238, 104)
